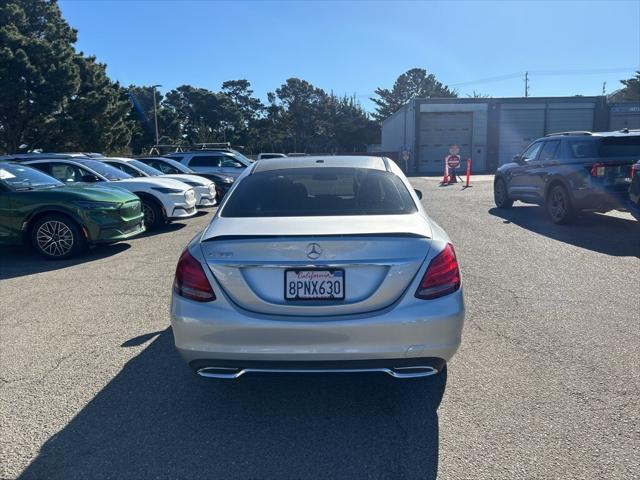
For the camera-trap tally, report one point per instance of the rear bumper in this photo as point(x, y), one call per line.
point(216, 332)
point(397, 367)
point(600, 199)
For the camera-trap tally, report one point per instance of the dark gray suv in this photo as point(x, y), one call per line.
point(569, 172)
point(226, 161)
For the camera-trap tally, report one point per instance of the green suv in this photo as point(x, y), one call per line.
point(61, 220)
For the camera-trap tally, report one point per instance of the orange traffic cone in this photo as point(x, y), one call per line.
point(445, 178)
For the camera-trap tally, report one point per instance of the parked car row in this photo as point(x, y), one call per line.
point(571, 172)
point(61, 203)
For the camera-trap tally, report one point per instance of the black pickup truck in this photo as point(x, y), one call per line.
point(571, 171)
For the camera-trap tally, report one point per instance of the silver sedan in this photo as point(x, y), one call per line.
point(319, 264)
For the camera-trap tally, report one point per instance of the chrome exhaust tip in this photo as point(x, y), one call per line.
point(220, 372)
point(412, 372)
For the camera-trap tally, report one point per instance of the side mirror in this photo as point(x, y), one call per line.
point(517, 158)
point(418, 193)
point(90, 178)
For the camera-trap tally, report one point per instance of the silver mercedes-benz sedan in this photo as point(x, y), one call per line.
point(319, 264)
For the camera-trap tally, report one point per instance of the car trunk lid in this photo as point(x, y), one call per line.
point(376, 258)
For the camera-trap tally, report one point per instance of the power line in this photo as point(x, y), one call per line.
point(528, 73)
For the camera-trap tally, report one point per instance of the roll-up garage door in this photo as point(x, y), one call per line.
point(567, 117)
point(437, 132)
point(624, 116)
point(520, 124)
point(624, 120)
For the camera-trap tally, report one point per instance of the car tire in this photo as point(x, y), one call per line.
point(57, 237)
point(501, 195)
point(558, 205)
point(153, 217)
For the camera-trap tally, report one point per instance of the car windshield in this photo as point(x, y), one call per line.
point(107, 171)
point(21, 177)
point(177, 165)
point(319, 191)
point(241, 158)
point(145, 168)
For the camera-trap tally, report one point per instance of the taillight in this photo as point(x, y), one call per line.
point(597, 170)
point(442, 276)
point(635, 170)
point(191, 281)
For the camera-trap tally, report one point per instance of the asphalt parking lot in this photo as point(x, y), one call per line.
point(545, 385)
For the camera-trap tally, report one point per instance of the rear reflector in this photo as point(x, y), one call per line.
point(597, 170)
point(190, 281)
point(442, 276)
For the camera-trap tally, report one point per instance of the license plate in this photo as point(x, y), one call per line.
point(318, 284)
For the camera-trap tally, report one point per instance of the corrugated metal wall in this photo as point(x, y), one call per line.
point(563, 117)
point(520, 124)
point(624, 116)
point(492, 131)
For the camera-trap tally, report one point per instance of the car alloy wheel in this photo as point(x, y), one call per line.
point(500, 196)
point(55, 238)
point(559, 205)
point(149, 214)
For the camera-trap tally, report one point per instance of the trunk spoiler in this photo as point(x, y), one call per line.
point(222, 238)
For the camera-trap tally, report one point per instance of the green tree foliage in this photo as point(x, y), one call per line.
point(414, 83)
point(244, 111)
point(298, 117)
point(204, 115)
point(37, 69)
point(95, 117)
point(631, 90)
point(310, 120)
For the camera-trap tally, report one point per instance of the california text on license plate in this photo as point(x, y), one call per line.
point(327, 284)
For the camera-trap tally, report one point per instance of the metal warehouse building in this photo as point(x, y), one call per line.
point(492, 130)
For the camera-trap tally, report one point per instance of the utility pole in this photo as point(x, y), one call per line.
point(155, 112)
point(526, 84)
point(604, 88)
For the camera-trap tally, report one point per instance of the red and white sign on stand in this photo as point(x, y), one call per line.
point(453, 161)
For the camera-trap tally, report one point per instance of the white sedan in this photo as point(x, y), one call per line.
point(204, 188)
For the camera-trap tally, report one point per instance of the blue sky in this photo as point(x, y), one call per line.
point(569, 48)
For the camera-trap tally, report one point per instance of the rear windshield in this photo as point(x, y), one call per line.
point(606, 147)
point(301, 192)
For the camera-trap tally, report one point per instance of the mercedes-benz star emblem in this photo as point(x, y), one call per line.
point(313, 251)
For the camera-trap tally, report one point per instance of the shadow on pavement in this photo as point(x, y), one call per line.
point(168, 227)
point(156, 419)
point(23, 260)
point(601, 233)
